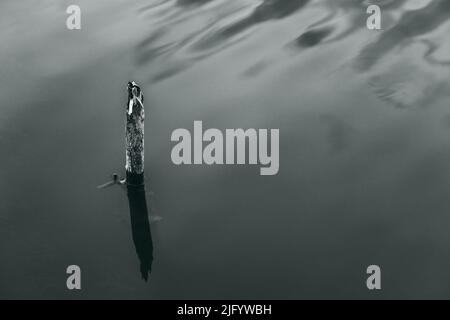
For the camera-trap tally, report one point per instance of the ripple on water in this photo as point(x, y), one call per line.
point(411, 25)
point(188, 31)
point(209, 30)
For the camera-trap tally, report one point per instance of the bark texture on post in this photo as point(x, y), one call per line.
point(134, 136)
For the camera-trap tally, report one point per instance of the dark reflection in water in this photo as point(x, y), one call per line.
point(412, 24)
point(313, 37)
point(202, 40)
point(276, 9)
point(431, 49)
point(355, 11)
point(268, 10)
point(140, 228)
point(208, 37)
point(191, 2)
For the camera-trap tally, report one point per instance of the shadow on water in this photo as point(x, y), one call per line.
point(140, 228)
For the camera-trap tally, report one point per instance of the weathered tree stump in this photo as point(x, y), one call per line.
point(134, 136)
point(134, 166)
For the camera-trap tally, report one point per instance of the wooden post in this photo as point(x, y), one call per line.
point(134, 136)
point(134, 166)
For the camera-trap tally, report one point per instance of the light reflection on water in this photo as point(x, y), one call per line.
point(364, 126)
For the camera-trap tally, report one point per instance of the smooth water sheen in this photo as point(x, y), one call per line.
point(364, 125)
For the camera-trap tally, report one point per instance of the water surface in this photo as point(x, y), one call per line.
point(364, 148)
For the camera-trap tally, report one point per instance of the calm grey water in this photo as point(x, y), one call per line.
point(364, 125)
